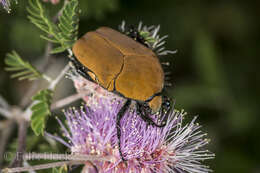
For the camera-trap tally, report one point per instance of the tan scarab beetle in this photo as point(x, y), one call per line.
point(122, 65)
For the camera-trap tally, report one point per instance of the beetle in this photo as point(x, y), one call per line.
point(126, 66)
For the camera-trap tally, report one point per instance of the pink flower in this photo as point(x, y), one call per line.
point(174, 148)
point(147, 149)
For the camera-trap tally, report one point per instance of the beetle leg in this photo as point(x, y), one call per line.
point(120, 115)
point(167, 107)
point(143, 112)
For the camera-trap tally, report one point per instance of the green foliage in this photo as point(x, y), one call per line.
point(41, 110)
point(62, 169)
point(65, 33)
point(24, 38)
point(23, 69)
point(206, 60)
point(147, 37)
point(98, 9)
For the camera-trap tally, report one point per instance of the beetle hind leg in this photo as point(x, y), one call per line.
point(144, 111)
point(120, 115)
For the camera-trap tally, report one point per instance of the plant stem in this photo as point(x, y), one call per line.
point(67, 100)
point(5, 113)
point(27, 113)
point(35, 85)
point(22, 133)
point(70, 157)
point(59, 77)
point(41, 166)
point(6, 133)
point(26, 164)
point(47, 78)
point(3, 102)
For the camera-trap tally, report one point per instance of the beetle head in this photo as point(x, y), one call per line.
point(132, 31)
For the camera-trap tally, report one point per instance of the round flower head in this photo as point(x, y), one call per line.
point(92, 131)
point(173, 148)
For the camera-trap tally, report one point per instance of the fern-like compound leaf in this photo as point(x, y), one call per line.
point(23, 70)
point(41, 110)
point(65, 33)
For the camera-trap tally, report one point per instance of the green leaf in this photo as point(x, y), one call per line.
point(39, 17)
point(41, 110)
point(68, 22)
point(62, 169)
point(147, 37)
point(65, 33)
point(58, 50)
point(49, 39)
point(144, 33)
point(23, 70)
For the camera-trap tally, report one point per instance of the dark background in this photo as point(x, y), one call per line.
point(214, 73)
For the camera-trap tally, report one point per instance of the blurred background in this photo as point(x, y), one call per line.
point(214, 73)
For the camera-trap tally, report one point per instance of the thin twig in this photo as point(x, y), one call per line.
point(68, 100)
point(59, 77)
point(35, 85)
point(5, 113)
point(6, 133)
point(47, 78)
point(47, 57)
point(41, 166)
point(29, 93)
point(22, 133)
point(26, 164)
point(3, 102)
point(27, 113)
point(71, 157)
